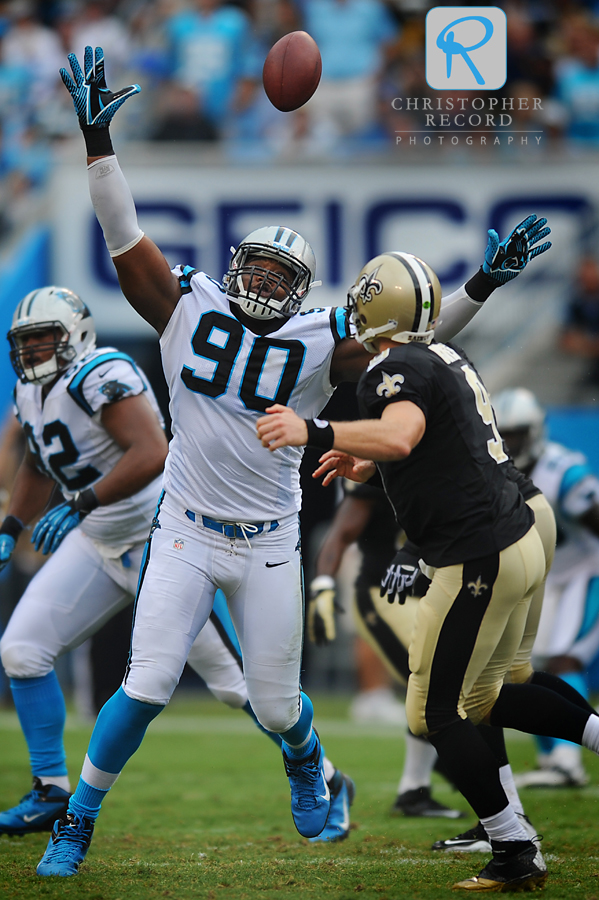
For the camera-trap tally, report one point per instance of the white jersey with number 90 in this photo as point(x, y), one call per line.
point(221, 378)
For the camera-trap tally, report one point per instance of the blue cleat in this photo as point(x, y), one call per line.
point(310, 795)
point(343, 791)
point(36, 811)
point(67, 846)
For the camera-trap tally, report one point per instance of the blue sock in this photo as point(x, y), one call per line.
point(119, 730)
point(299, 740)
point(86, 800)
point(41, 709)
point(271, 734)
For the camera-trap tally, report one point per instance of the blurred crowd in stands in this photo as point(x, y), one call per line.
point(199, 63)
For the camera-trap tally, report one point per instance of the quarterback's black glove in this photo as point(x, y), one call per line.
point(505, 260)
point(56, 524)
point(94, 103)
point(321, 610)
point(404, 578)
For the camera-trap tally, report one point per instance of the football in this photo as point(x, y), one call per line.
point(292, 71)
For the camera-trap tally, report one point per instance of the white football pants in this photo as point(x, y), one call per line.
point(260, 577)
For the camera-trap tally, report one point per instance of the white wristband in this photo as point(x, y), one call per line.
point(322, 583)
point(113, 204)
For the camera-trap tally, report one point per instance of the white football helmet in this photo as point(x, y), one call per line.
point(47, 308)
point(396, 295)
point(521, 423)
point(262, 293)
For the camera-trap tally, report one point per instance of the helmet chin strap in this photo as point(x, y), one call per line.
point(400, 337)
point(371, 333)
point(43, 373)
point(258, 310)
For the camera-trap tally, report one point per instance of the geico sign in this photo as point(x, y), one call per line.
point(369, 223)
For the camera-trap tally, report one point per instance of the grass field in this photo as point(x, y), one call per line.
point(202, 811)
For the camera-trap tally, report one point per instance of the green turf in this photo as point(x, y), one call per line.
point(202, 811)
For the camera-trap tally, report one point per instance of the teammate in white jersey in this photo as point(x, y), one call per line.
point(568, 636)
point(229, 515)
point(94, 429)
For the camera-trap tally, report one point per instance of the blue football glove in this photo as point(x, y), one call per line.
point(52, 528)
point(95, 104)
point(7, 545)
point(10, 530)
point(505, 260)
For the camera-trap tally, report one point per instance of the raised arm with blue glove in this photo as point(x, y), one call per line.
point(94, 102)
point(504, 261)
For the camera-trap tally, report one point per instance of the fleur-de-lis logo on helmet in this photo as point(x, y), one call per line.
point(368, 286)
point(390, 385)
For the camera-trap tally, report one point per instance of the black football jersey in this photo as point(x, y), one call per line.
point(526, 486)
point(451, 495)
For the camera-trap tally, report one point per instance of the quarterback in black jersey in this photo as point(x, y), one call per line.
point(430, 429)
point(450, 494)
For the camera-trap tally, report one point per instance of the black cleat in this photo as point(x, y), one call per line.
point(419, 803)
point(513, 868)
point(474, 840)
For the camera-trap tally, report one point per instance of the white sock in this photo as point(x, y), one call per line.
point(61, 781)
point(329, 768)
point(418, 765)
point(504, 826)
point(590, 735)
point(507, 782)
point(97, 778)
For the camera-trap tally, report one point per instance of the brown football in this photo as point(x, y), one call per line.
point(292, 71)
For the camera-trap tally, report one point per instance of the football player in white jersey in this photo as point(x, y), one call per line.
point(93, 429)
point(228, 517)
point(568, 636)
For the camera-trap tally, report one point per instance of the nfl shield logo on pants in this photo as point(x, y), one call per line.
point(178, 544)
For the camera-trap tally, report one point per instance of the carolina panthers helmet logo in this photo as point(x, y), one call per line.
point(390, 385)
point(74, 301)
point(368, 286)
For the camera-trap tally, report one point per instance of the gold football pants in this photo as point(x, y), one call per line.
point(468, 629)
